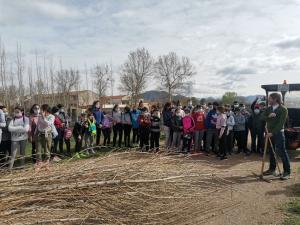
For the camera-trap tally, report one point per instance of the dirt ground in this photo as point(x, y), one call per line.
point(146, 188)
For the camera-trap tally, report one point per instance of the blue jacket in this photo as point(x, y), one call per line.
point(167, 118)
point(210, 116)
point(99, 116)
point(134, 116)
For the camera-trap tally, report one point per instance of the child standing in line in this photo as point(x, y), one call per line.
point(116, 115)
point(188, 124)
point(230, 125)
point(135, 125)
point(240, 130)
point(106, 129)
point(177, 129)
point(199, 119)
point(221, 126)
point(78, 132)
point(19, 127)
point(90, 132)
point(126, 121)
point(144, 121)
point(44, 133)
point(155, 130)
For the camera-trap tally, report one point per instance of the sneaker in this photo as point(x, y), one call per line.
point(269, 172)
point(285, 176)
point(82, 154)
point(77, 156)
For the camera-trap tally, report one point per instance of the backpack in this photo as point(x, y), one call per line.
point(92, 128)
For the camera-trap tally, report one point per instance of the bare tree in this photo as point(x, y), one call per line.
point(20, 70)
point(101, 74)
point(173, 71)
point(52, 77)
point(67, 80)
point(135, 73)
point(31, 85)
point(3, 73)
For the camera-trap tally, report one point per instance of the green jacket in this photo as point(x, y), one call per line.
point(276, 124)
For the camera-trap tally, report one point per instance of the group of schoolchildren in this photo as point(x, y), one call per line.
point(127, 127)
point(46, 128)
point(207, 128)
point(214, 128)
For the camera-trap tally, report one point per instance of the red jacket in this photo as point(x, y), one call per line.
point(144, 120)
point(57, 122)
point(199, 119)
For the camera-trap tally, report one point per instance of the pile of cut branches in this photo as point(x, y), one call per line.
point(120, 188)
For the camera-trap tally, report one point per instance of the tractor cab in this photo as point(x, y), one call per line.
point(292, 130)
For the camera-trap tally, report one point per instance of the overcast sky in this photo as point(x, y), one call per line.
point(235, 45)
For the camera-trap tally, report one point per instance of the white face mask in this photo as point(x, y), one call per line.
point(57, 113)
point(177, 114)
point(36, 111)
point(18, 114)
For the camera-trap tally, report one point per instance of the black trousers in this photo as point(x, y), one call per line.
point(257, 134)
point(186, 144)
point(78, 144)
point(223, 144)
point(144, 137)
point(98, 135)
point(230, 142)
point(154, 140)
point(118, 131)
point(33, 152)
point(240, 138)
point(106, 134)
point(127, 131)
point(5, 148)
point(61, 140)
point(135, 135)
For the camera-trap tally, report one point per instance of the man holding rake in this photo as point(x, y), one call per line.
point(276, 116)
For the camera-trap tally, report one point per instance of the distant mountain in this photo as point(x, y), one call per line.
point(160, 96)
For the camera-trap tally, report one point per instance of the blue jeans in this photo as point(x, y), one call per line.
point(278, 141)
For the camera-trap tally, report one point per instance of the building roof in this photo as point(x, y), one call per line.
point(114, 97)
point(57, 93)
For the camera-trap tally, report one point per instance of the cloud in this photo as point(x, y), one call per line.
point(55, 10)
point(211, 32)
point(291, 43)
point(233, 70)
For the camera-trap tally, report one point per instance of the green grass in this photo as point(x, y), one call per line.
point(293, 208)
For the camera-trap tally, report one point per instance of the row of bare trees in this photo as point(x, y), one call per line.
point(170, 70)
point(22, 79)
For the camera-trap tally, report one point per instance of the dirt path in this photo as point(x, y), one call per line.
point(146, 188)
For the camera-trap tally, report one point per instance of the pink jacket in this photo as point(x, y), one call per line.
point(188, 124)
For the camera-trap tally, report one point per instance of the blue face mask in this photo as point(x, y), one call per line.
point(256, 111)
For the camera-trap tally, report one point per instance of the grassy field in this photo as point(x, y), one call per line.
point(293, 207)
